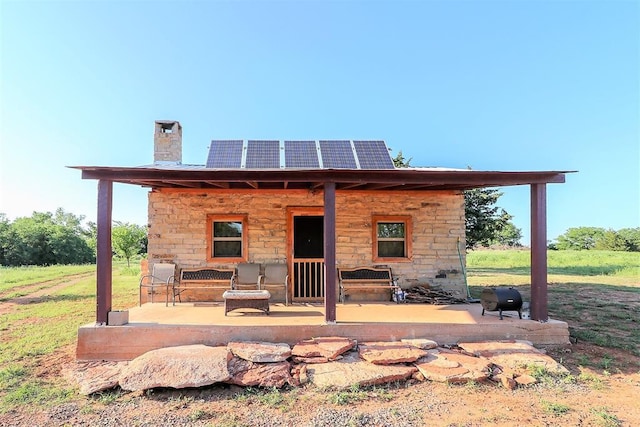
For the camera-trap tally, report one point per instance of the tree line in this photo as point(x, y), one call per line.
point(61, 237)
point(596, 238)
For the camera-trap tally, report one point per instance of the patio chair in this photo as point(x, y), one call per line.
point(162, 275)
point(248, 277)
point(275, 276)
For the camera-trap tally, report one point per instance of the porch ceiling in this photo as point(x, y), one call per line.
point(190, 176)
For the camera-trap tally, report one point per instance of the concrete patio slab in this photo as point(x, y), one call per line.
point(153, 326)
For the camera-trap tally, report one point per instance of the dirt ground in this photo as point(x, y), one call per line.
point(606, 394)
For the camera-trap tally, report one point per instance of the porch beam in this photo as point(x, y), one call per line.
point(539, 298)
point(463, 178)
point(330, 290)
point(103, 252)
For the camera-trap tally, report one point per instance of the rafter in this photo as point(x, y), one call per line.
point(351, 186)
point(218, 184)
point(188, 184)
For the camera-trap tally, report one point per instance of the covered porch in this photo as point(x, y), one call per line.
point(329, 182)
point(154, 326)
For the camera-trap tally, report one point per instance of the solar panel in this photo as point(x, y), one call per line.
point(301, 154)
point(225, 155)
point(373, 155)
point(263, 155)
point(337, 155)
point(267, 154)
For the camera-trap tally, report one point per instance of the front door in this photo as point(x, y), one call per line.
point(307, 256)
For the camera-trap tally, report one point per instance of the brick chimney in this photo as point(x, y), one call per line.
point(167, 143)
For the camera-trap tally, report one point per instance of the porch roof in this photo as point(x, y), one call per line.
point(198, 176)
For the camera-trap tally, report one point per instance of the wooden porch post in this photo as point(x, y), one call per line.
point(104, 255)
point(330, 252)
point(539, 309)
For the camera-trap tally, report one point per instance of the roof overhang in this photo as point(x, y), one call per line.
point(403, 179)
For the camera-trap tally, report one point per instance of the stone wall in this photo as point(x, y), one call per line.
point(167, 142)
point(178, 226)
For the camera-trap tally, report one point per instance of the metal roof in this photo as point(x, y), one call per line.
point(201, 177)
point(285, 165)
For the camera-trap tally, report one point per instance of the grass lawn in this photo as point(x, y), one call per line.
point(49, 323)
point(596, 292)
point(12, 278)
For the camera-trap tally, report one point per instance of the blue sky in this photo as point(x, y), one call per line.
point(495, 85)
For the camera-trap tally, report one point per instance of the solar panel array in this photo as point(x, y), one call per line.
point(271, 154)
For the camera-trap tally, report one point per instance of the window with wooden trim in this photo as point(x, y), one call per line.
point(391, 238)
point(227, 238)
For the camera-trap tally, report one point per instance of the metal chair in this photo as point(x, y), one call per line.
point(162, 275)
point(275, 276)
point(248, 277)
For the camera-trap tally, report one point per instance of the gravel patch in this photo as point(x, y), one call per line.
point(397, 417)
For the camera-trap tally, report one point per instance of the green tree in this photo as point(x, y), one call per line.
point(580, 238)
point(128, 239)
point(90, 234)
point(68, 220)
point(44, 239)
point(510, 235)
point(5, 237)
point(632, 237)
point(400, 161)
point(611, 240)
point(484, 221)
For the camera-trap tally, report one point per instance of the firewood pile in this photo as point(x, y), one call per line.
point(422, 294)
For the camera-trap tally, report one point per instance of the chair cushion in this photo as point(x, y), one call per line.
point(248, 273)
point(275, 273)
point(246, 295)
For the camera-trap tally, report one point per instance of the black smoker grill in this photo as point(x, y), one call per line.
point(501, 299)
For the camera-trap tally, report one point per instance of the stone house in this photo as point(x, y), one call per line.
point(314, 205)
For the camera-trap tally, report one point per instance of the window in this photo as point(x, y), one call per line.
point(227, 238)
point(391, 238)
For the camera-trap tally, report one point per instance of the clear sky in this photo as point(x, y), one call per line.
point(494, 85)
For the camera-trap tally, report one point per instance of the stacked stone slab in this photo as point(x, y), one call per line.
point(327, 362)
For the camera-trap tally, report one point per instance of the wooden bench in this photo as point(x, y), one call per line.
point(365, 278)
point(246, 299)
point(205, 278)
